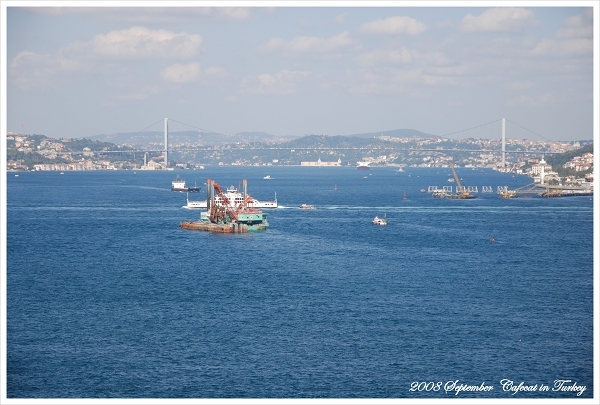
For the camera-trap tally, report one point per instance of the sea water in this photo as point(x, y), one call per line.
point(108, 298)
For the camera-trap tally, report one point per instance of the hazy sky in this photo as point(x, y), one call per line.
point(337, 70)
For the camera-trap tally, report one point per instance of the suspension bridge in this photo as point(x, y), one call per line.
point(165, 150)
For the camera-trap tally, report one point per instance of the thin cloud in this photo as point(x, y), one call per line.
point(386, 57)
point(149, 15)
point(309, 46)
point(533, 101)
point(143, 43)
point(504, 19)
point(102, 54)
point(401, 56)
point(397, 80)
point(341, 18)
point(284, 82)
point(566, 47)
point(578, 26)
point(521, 85)
point(396, 25)
point(179, 73)
point(574, 38)
point(29, 70)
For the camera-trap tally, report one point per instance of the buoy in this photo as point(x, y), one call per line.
point(492, 240)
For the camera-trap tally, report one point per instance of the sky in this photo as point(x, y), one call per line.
point(293, 69)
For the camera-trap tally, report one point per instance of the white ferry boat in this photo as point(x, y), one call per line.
point(235, 199)
point(192, 205)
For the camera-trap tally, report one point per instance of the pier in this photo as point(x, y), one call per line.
point(533, 189)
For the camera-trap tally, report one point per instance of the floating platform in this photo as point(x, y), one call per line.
point(568, 193)
point(461, 196)
point(531, 190)
point(248, 221)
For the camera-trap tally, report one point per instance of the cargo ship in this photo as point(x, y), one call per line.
point(227, 217)
point(179, 185)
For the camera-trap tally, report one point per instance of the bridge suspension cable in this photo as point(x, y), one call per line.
point(191, 126)
point(541, 136)
point(141, 130)
point(468, 129)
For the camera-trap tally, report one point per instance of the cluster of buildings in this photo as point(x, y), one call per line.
point(541, 171)
point(581, 163)
point(40, 153)
point(80, 165)
point(319, 162)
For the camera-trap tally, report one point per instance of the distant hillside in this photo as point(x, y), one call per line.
point(562, 158)
point(192, 137)
point(396, 133)
point(141, 139)
point(326, 141)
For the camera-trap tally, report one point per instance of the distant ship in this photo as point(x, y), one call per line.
point(192, 205)
point(362, 166)
point(379, 221)
point(235, 198)
point(179, 185)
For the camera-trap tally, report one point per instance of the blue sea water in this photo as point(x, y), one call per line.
point(108, 298)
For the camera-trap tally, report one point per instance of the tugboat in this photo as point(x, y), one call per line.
point(179, 185)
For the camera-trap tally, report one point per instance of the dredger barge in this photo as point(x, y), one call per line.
point(223, 217)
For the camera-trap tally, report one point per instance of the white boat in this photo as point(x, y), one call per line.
point(235, 199)
point(307, 207)
point(380, 221)
point(363, 165)
point(193, 205)
point(267, 177)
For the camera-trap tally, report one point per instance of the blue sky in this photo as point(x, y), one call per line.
point(337, 70)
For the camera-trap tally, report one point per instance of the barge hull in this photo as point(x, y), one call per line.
point(210, 227)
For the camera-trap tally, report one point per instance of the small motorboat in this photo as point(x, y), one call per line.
point(380, 221)
point(307, 207)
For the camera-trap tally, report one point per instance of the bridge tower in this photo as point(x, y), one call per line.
point(166, 143)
